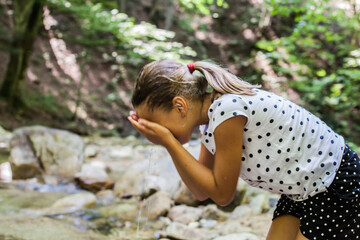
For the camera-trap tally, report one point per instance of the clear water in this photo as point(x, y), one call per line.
point(144, 187)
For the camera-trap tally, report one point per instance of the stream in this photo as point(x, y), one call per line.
point(146, 201)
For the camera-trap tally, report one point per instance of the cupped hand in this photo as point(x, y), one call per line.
point(154, 132)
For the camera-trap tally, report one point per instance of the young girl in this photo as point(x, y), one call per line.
point(250, 133)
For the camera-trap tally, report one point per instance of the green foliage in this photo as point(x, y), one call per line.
point(320, 56)
point(134, 42)
point(47, 103)
point(202, 6)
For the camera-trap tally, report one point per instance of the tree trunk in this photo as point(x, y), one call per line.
point(122, 5)
point(27, 19)
point(169, 14)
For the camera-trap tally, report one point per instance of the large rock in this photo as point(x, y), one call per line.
point(231, 226)
point(185, 196)
point(14, 200)
point(37, 150)
point(5, 138)
point(156, 205)
point(259, 204)
point(183, 232)
point(93, 178)
point(123, 211)
point(238, 236)
point(212, 212)
point(69, 204)
point(41, 228)
point(148, 175)
point(184, 214)
point(153, 170)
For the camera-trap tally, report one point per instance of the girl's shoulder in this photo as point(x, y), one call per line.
point(229, 98)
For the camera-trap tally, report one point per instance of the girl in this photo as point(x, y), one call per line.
point(250, 133)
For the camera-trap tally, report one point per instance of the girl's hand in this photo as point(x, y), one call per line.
point(133, 115)
point(154, 132)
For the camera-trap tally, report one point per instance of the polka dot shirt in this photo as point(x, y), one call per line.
point(286, 149)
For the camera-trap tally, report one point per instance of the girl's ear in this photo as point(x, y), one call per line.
point(180, 105)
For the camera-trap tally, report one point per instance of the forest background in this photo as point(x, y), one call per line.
point(72, 64)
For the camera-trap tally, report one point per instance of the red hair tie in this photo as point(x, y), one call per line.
point(191, 67)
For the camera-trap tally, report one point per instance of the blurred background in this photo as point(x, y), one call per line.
point(69, 68)
point(72, 64)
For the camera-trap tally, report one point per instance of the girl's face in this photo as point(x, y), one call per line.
point(179, 123)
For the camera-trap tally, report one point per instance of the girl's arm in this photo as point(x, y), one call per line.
point(218, 183)
point(206, 159)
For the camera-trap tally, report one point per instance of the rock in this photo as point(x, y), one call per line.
point(106, 197)
point(95, 185)
point(121, 152)
point(68, 204)
point(212, 212)
point(208, 223)
point(39, 149)
point(93, 179)
point(184, 214)
point(91, 151)
point(183, 232)
point(5, 172)
point(41, 228)
point(12, 201)
point(156, 205)
point(241, 211)
point(5, 138)
point(185, 196)
point(238, 236)
point(259, 204)
point(148, 175)
point(153, 183)
point(91, 172)
point(231, 226)
point(123, 211)
point(259, 224)
point(194, 225)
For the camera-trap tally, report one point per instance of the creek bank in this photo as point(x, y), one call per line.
point(136, 193)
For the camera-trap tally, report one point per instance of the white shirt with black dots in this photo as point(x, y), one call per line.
point(286, 149)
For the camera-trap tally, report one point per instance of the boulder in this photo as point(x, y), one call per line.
point(241, 211)
point(238, 236)
point(123, 211)
point(106, 197)
point(149, 175)
point(259, 204)
point(41, 228)
point(231, 226)
point(156, 205)
point(36, 150)
point(95, 185)
point(91, 151)
point(185, 196)
point(13, 201)
point(212, 212)
point(69, 204)
point(93, 178)
point(184, 214)
point(5, 172)
point(183, 232)
point(5, 138)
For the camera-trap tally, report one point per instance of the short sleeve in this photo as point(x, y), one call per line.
point(226, 107)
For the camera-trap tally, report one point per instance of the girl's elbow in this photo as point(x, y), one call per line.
point(202, 198)
point(223, 200)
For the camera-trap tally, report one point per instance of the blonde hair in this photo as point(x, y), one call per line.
point(160, 81)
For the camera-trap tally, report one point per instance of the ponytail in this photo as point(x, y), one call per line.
point(223, 81)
